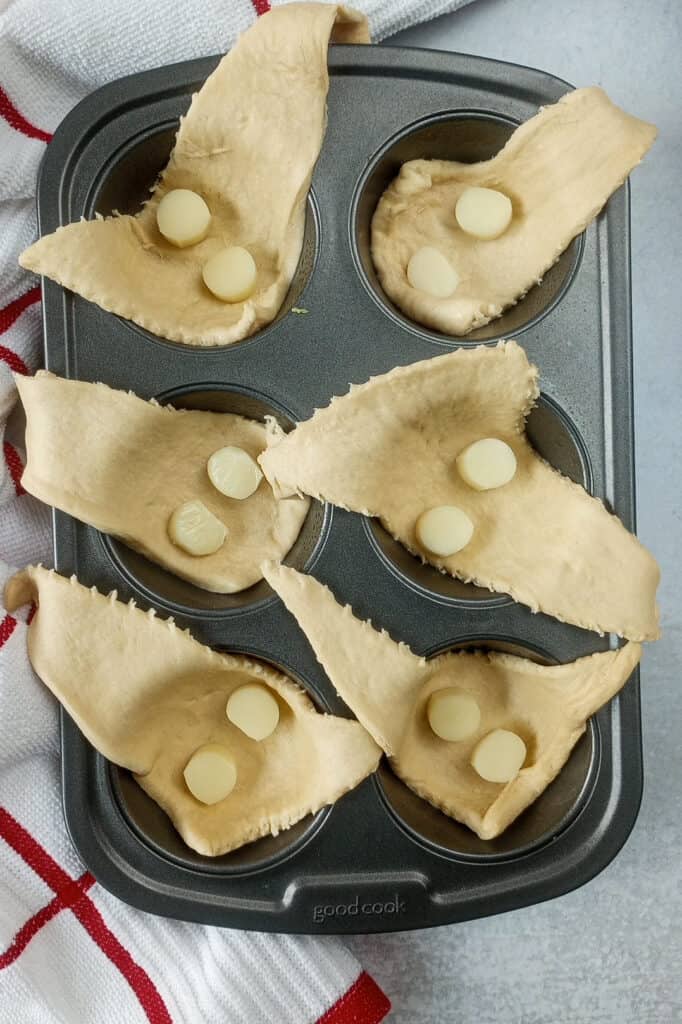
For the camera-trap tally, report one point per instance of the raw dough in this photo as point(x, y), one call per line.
point(248, 145)
point(388, 688)
point(195, 530)
point(183, 218)
point(135, 462)
point(388, 449)
point(147, 695)
point(559, 169)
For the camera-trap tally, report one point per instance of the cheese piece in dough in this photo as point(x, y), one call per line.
point(210, 774)
point(389, 688)
point(444, 530)
point(248, 145)
point(559, 169)
point(254, 710)
point(487, 463)
point(148, 696)
point(499, 756)
point(429, 271)
point(136, 462)
point(453, 714)
point(182, 217)
point(230, 274)
point(540, 538)
point(196, 530)
point(483, 213)
point(233, 472)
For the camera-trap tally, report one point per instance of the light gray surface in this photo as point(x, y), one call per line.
point(611, 952)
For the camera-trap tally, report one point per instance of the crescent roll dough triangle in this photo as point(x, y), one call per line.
point(388, 449)
point(387, 687)
point(558, 169)
point(248, 146)
point(147, 695)
point(123, 465)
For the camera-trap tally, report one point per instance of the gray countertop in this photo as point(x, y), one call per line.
point(611, 952)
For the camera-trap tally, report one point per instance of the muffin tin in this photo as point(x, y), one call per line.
point(381, 858)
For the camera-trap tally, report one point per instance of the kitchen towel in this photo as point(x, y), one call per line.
point(70, 952)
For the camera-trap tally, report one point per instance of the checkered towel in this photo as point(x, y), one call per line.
point(69, 951)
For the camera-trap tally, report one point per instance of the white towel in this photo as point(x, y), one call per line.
point(69, 951)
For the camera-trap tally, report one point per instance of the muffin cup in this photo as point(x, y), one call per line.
point(160, 586)
point(467, 137)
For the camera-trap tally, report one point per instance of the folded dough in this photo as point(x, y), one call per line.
point(123, 465)
point(387, 687)
point(388, 449)
point(247, 145)
point(558, 169)
point(146, 695)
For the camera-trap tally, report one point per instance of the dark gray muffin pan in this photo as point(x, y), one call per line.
point(380, 858)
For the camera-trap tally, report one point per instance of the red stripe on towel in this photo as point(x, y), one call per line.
point(138, 979)
point(13, 311)
point(261, 6)
point(14, 466)
point(47, 868)
point(30, 851)
point(15, 362)
point(7, 627)
point(363, 1003)
point(17, 121)
point(63, 900)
